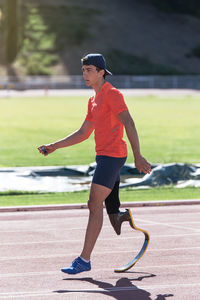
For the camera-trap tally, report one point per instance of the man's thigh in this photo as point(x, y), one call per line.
point(98, 193)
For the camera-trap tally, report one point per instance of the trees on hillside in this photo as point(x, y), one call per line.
point(11, 30)
point(191, 7)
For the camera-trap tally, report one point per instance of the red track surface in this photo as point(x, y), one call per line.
point(35, 245)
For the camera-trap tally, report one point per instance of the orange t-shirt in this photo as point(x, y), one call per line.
point(103, 110)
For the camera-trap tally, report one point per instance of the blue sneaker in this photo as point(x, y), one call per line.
point(78, 266)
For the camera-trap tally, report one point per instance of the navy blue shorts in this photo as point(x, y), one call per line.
point(107, 171)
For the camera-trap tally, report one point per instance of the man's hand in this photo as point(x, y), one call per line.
point(142, 165)
point(46, 149)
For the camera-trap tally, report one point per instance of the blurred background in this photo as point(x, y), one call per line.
point(146, 37)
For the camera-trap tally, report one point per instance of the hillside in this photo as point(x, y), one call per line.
point(135, 37)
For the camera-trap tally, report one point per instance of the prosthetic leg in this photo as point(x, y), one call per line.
point(116, 217)
point(131, 263)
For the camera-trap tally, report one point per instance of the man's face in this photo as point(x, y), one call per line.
point(91, 75)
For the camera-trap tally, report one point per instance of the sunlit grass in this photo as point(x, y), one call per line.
point(169, 129)
point(161, 193)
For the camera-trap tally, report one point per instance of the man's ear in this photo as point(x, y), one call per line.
point(102, 72)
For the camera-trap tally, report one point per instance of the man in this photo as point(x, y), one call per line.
point(107, 115)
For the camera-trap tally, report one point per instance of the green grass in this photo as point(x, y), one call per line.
point(169, 129)
point(164, 193)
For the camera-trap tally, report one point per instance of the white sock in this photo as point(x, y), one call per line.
point(87, 261)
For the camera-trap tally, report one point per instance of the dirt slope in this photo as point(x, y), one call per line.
point(137, 28)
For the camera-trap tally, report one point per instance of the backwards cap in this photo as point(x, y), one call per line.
point(97, 60)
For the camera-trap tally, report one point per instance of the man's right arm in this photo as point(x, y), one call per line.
point(76, 137)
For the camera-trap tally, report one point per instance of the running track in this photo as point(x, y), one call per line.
point(35, 245)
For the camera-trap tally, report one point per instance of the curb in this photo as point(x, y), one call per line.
point(83, 205)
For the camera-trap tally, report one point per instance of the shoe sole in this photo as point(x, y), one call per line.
point(74, 273)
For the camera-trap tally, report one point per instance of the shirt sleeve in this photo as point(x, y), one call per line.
point(116, 102)
point(89, 116)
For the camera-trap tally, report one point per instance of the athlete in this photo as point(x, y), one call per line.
point(107, 116)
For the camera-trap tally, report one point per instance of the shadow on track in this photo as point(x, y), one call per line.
point(123, 289)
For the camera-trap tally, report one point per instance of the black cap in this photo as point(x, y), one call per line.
point(96, 60)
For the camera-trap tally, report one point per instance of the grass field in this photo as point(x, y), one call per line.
point(164, 193)
point(169, 131)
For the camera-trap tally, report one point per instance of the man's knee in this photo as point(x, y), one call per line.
point(93, 205)
point(98, 194)
point(90, 205)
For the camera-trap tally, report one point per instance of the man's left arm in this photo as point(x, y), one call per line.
point(140, 162)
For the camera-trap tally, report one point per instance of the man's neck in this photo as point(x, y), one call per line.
point(98, 86)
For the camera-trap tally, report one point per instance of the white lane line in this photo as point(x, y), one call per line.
point(100, 239)
point(130, 288)
point(97, 290)
point(28, 274)
point(174, 235)
point(168, 266)
point(168, 225)
point(63, 229)
point(26, 295)
point(105, 252)
point(58, 272)
point(43, 230)
point(185, 222)
point(144, 223)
